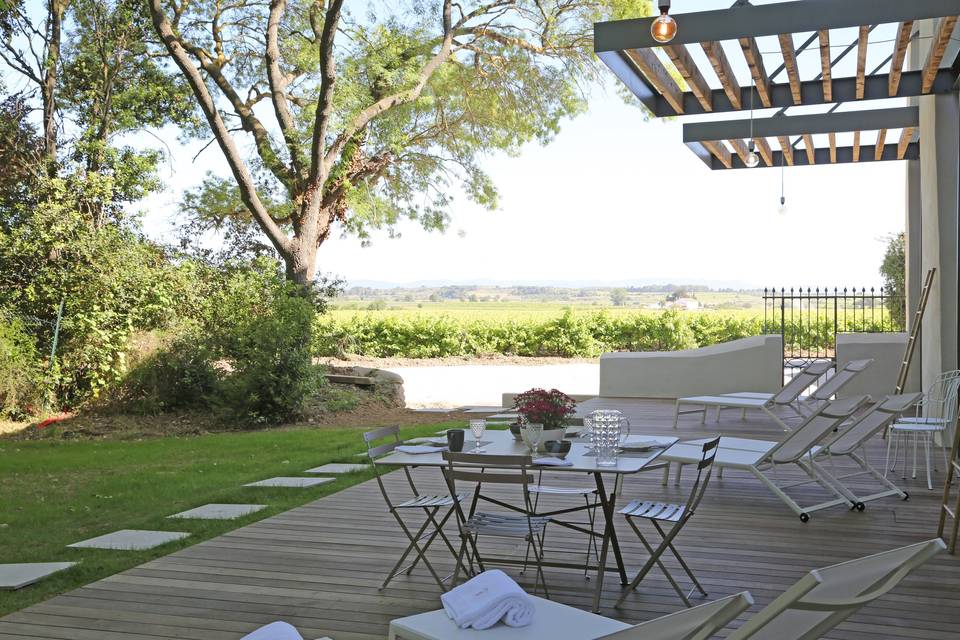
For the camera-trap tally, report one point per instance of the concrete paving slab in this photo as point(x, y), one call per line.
point(291, 482)
point(20, 575)
point(219, 511)
point(130, 540)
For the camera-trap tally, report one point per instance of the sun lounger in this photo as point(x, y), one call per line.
point(790, 397)
point(794, 448)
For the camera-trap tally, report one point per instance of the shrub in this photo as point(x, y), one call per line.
point(20, 369)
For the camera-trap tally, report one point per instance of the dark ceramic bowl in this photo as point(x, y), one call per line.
point(515, 430)
point(557, 448)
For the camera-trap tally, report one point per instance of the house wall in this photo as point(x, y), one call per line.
point(880, 378)
point(750, 364)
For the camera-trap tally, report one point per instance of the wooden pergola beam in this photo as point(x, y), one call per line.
point(826, 65)
point(721, 65)
point(899, 55)
point(689, 71)
point(811, 150)
point(650, 66)
point(720, 152)
point(751, 52)
point(740, 147)
point(787, 149)
point(862, 59)
point(942, 34)
point(905, 138)
point(833, 147)
point(763, 148)
point(790, 63)
point(856, 146)
point(881, 140)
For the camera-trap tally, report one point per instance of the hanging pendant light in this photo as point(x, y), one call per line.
point(664, 28)
point(752, 160)
point(782, 209)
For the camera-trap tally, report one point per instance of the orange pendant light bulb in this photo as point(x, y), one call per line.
point(664, 28)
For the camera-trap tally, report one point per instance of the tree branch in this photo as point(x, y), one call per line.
point(328, 77)
point(248, 191)
point(278, 84)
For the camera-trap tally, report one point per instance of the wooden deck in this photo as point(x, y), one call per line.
point(319, 566)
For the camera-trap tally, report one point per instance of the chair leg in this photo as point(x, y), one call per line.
point(666, 474)
point(914, 473)
point(653, 559)
point(676, 414)
point(927, 443)
point(679, 471)
point(886, 461)
point(412, 546)
point(668, 538)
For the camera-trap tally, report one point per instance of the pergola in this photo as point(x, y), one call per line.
point(668, 80)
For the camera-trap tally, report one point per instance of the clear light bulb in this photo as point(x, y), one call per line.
point(663, 29)
point(782, 209)
point(753, 160)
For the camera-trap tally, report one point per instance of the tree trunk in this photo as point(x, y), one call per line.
point(55, 13)
point(301, 262)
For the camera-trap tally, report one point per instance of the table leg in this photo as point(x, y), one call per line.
point(607, 503)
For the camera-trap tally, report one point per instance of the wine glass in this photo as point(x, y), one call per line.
point(534, 433)
point(477, 427)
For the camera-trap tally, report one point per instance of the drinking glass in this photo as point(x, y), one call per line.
point(477, 427)
point(587, 433)
point(534, 431)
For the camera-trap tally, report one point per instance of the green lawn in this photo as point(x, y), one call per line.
point(58, 492)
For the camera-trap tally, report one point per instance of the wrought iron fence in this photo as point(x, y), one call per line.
point(809, 319)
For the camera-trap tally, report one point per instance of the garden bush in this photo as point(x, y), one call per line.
point(21, 377)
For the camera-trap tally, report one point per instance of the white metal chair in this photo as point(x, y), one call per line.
point(675, 516)
point(824, 598)
point(552, 620)
point(591, 502)
point(429, 505)
point(483, 469)
point(850, 445)
point(795, 448)
point(938, 417)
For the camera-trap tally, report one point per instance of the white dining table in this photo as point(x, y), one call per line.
point(499, 443)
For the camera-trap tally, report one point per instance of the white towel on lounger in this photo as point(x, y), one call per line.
point(487, 599)
point(274, 631)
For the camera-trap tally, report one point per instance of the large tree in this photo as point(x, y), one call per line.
point(360, 117)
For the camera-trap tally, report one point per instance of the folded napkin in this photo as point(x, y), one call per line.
point(274, 631)
point(548, 461)
point(646, 441)
point(418, 448)
point(487, 599)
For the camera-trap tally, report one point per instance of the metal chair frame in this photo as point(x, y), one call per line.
point(679, 515)
point(430, 505)
point(481, 469)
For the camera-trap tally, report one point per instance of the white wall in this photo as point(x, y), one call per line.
point(880, 378)
point(750, 364)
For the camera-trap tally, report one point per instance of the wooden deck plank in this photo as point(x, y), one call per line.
point(319, 566)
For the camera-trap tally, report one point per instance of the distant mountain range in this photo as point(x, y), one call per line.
point(564, 284)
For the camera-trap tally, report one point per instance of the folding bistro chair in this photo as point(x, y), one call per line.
point(430, 505)
point(520, 523)
point(796, 447)
point(824, 598)
point(853, 440)
point(590, 506)
point(675, 516)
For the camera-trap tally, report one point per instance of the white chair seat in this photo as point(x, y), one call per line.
point(562, 491)
point(504, 524)
point(425, 502)
point(916, 427)
point(653, 510)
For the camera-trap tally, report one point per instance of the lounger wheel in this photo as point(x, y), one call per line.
point(859, 506)
point(906, 496)
point(804, 517)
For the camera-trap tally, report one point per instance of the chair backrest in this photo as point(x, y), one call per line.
point(838, 380)
point(940, 402)
point(391, 435)
point(814, 428)
point(874, 420)
point(697, 623)
point(704, 471)
point(802, 381)
point(824, 598)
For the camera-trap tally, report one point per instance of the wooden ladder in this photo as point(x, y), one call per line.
point(945, 510)
point(915, 330)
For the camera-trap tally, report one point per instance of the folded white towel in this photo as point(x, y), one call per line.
point(418, 448)
point(274, 631)
point(547, 461)
point(487, 599)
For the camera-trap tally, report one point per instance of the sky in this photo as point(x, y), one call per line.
point(618, 199)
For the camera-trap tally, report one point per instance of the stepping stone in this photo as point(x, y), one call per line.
point(220, 511)
point(297, 483)
point(504, 416)
point(17, 576)
point(130, 540)
point(434, 410)
point(337, 467)
point(483, 409)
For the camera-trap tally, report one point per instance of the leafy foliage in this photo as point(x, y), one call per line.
point(20, 373)
point(549, 408)
point(893, 269)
